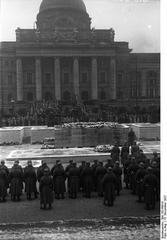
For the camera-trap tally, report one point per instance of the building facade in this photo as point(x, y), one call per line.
point(63, 58)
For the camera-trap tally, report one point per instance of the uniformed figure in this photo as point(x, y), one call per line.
point(150, 184)
point(73, 180)
point(131, 137)
point(109, 163)
point(16, 181)
point(94, 166)
point(4, 167)
point(46, 190)
point(115, 151)
point(87, 176)
point(135, 150)
point(140, 174)
point(117, 170)
point(126, 172)
point(67, 169)
point(99, 173)
point(40, 170)
point(59, 177)
point(124, 153)
point(3, 184)
point(133, 167)
point(81, 167)
point(156, 172)
point(30, 180)
point(109, 182)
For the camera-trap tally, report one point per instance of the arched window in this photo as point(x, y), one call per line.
point(48, 96)
point(84, 95)
point(66, 96)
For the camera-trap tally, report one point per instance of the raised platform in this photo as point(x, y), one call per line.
point(146, 131)
point(66, 154)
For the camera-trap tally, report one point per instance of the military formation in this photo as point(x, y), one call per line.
point(127, 167)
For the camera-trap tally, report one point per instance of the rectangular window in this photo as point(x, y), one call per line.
point(10, 79)
point(29, 78)
point(66, 77)
point(48, 78)
point(84, 77)
point(102, 77)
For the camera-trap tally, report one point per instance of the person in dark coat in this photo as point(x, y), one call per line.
point(117, 170)
point(109, 182)
point(3, 185)
point(16, 181)
point(135, 150)
point(81, 167)
point(150, 184)
point(156, 172)
point(131, 137)
point(109, 163)
point(115, 151)
point(59, 177)
point(73, 180)
point(40, 170)
point(99, 173)
point(94, 166)
point(133, 167)
point(140, 174)
point(67, 169)
point(46, 190)
point(30, 180)
point(4, 167)
point(124, 153)
point(87, 176)
point(126, 172)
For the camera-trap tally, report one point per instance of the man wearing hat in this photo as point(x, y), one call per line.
point(16, 181)
point(30, 179)
point(73, 180)
point(3, 184)
point(109, 183)
point(59, 177)
point(40, 170)
point(150, 184)
point(140, 174)
point(87, 176)
point(132, 169)
point(46, 190)
point(4, 167)
point(99, 173)
point(117, 170)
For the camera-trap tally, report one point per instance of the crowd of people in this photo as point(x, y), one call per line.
point(128, 167)
point(53, 113)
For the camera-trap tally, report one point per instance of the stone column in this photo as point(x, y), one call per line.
point(144, 83)
point(38, 79)
point(57, 79)
point(19, 79)
point(94, 81)
point(76, 77)
point(113, 78)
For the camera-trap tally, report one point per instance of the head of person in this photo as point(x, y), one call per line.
point(29, 163)
point(88, 164)
point(109, 169)
point(133, 159)
point(95, 161)
point(141, 165)
point(100, 163)
point(3, 162)
point(70, 161)
point(117, 164)
point(16, 162)
point(149, 170)
point(74, 164)
point(46, 171)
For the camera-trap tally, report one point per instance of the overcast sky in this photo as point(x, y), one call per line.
point(135, 21)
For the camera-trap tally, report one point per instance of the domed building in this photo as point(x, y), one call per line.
point(63, 58)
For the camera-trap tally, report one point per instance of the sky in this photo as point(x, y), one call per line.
point(134, 21)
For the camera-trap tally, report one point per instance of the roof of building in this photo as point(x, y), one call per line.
point(59, 4)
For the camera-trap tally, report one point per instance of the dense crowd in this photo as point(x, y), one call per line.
point(51, 113)
point(127, 167)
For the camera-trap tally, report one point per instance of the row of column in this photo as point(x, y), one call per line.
point(57, 78)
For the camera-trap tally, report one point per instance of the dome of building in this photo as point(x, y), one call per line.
point(59, 4)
